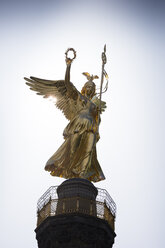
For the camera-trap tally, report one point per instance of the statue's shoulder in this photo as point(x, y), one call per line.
point(96, 101)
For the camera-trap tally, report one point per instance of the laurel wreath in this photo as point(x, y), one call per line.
point(74, 53)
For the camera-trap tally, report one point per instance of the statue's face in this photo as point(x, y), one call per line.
point(89, 89)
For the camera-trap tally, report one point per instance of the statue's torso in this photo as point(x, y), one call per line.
point(85, 119)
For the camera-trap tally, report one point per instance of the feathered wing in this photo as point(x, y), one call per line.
point(90, 77)
point(87, 75)
point(95, 77)
point(57, 89)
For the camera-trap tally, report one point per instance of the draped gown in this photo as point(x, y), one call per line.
point(77, 156)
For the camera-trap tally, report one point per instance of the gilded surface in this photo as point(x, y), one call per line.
point(76, 157)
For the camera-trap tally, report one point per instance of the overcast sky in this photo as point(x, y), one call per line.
point(34, 38)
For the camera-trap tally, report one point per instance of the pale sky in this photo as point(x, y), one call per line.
point(34, 38)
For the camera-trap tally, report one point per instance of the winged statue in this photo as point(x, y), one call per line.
point(77, 156)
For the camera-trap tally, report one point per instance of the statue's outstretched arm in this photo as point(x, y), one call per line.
point(67, 74)
point(73, 93)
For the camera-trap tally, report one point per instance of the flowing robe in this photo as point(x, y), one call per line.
point(77, 156)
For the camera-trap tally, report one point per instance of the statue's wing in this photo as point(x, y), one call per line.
point(64, 101)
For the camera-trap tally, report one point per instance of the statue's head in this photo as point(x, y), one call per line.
point(89, 89)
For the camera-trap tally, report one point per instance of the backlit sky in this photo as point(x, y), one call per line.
point(34, 38)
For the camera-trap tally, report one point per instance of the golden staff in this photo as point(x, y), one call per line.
point(103, 73)
point(104, 61)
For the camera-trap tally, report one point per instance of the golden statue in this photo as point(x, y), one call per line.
point(76, 157)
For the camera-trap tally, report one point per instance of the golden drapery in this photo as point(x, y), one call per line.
point(77, 156)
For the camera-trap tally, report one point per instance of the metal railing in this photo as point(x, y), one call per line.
point(103, 207)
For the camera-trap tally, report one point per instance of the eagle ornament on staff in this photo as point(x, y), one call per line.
point(76, 157)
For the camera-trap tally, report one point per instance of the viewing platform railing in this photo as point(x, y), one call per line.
point(103, 207)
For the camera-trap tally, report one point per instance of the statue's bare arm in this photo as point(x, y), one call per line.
point(67, 74)
point(73, 93)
